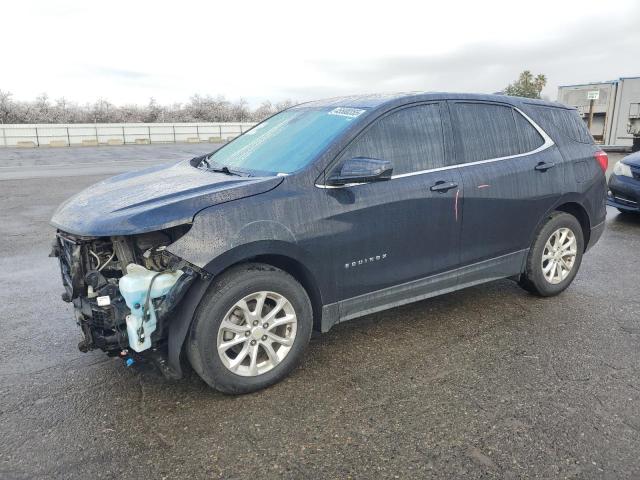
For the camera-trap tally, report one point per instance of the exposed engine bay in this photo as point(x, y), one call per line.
point(123, 288)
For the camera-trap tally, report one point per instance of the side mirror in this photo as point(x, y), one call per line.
point(361, 170)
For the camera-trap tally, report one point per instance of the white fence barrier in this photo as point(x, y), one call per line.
point(90, 134)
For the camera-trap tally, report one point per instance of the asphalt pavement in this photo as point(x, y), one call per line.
point(26, 163)
point(489, 382)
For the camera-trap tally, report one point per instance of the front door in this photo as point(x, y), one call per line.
point(390, 233)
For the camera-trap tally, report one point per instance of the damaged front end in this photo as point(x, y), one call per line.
point(124, 289)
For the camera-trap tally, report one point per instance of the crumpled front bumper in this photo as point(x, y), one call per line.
point(100, 308)
point(101, 325)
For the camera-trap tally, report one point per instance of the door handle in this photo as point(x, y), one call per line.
point(443, 186)
point(544, 166)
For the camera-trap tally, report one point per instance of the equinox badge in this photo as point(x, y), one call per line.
point(363, 261)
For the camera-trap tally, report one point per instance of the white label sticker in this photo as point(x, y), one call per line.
point(103, 301)
point(347, 112)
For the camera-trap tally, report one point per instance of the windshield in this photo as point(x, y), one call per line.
point(285, 142)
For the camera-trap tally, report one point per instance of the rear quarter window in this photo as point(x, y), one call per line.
point(566, 122)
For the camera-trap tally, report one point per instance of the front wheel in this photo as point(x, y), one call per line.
point(555, 256)
point(251, 329)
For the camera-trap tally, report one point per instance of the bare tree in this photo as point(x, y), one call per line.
point(153, 112)
point(42, 111)
point(280, 106)
point(7, 109)
point(263, 111)
point(199, 108)
point(240, 111)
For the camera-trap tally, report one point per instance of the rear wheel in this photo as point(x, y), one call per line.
point(251, 329)
point(555, 256)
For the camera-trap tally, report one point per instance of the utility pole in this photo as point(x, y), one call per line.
point(590, 121)
point(592, 96)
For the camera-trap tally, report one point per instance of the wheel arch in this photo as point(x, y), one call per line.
point(303, 276)
point(568, 204)
point(283, 255)
point(580, 213)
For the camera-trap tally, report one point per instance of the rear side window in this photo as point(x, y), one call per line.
point(530, 139)
point(411, 139)
point(484, 131)
point(566, 121)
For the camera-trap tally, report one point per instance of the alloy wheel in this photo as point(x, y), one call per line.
point(559, 255)
point(257, 333)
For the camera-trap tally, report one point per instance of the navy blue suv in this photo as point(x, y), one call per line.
point(325, 212)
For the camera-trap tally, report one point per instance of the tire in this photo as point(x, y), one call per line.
point(253, 283)
point(535, 279)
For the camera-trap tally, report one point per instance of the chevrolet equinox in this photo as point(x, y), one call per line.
point(322, 213)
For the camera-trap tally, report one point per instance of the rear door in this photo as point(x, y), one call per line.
point(512, 175)
point(387, 233)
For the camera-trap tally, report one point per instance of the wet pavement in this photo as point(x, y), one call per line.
point(489, 382)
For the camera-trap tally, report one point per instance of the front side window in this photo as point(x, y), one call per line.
point(484, 131)
point(410, 138)
point(286, 142)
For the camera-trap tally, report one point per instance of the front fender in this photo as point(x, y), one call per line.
point(216, 231)
point(220, 237)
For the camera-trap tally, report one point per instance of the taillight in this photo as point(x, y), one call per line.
point(603, 159)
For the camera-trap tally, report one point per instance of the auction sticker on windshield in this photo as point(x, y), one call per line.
point(347, 112)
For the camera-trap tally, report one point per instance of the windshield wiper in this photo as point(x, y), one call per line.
point(224, 169)
point(213, 167)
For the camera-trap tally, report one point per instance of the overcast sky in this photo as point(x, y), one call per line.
point(128, 51)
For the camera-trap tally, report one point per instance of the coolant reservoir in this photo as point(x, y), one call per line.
point(134, 287)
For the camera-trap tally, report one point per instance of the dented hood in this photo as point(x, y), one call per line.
point(152, 199)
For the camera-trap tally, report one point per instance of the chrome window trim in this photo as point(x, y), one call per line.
point(548, 142)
